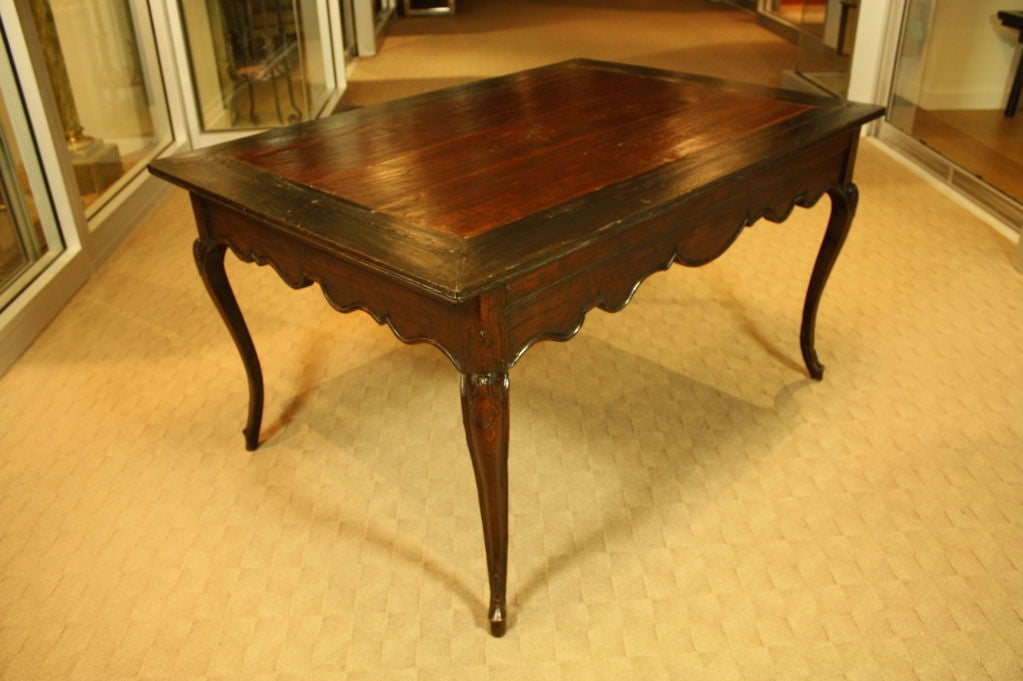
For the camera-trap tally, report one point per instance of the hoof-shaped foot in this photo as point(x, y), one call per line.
point(813, 365)
point(498, 625)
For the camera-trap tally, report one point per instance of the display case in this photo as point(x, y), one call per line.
point(29, 238)
point(256, 63)
point(103, 71)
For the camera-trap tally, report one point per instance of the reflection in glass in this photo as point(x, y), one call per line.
point(255, 62)
point(952, 78)
point(826, 31)
point(790, 11)
point(113, 121)
point(348, 28)
point(811, 19)
point(827, 34)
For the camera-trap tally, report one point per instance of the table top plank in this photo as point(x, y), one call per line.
point(471, 165)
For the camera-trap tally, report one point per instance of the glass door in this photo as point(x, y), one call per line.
point(824, 32)
point(954, 70)
point(826, 38)
point(258, 63)
point(29, 237)
point(348, 29)
point(315, 53)
point(101, 61)
point(788, 11)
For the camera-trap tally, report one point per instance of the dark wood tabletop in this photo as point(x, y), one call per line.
point(485, 217)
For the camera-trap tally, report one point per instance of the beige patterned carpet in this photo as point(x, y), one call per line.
point(686, 504)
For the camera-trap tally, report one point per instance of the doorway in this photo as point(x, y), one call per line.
point(953, 73)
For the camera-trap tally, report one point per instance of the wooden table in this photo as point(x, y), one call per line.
point(486, 217)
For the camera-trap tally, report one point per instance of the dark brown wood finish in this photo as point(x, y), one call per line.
point(493, 170)
point(485, 217)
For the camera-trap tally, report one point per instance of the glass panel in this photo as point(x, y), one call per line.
point(826, 38)
point(312, 54)
point(256, 63)
point(107, 89)
point(28, 230)
point(787, 10)
point(348, 27)
point(955, 67)
point(18, 242)
point(811, 19)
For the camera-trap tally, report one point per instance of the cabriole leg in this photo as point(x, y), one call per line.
point(843, 207)
point(209, 257)
point(485, 414)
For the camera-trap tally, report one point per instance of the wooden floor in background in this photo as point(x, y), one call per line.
point(985, 142)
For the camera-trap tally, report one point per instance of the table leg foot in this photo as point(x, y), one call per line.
point(843, 208)
point(498, 624)
point(485, 415)
point(209, 257)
